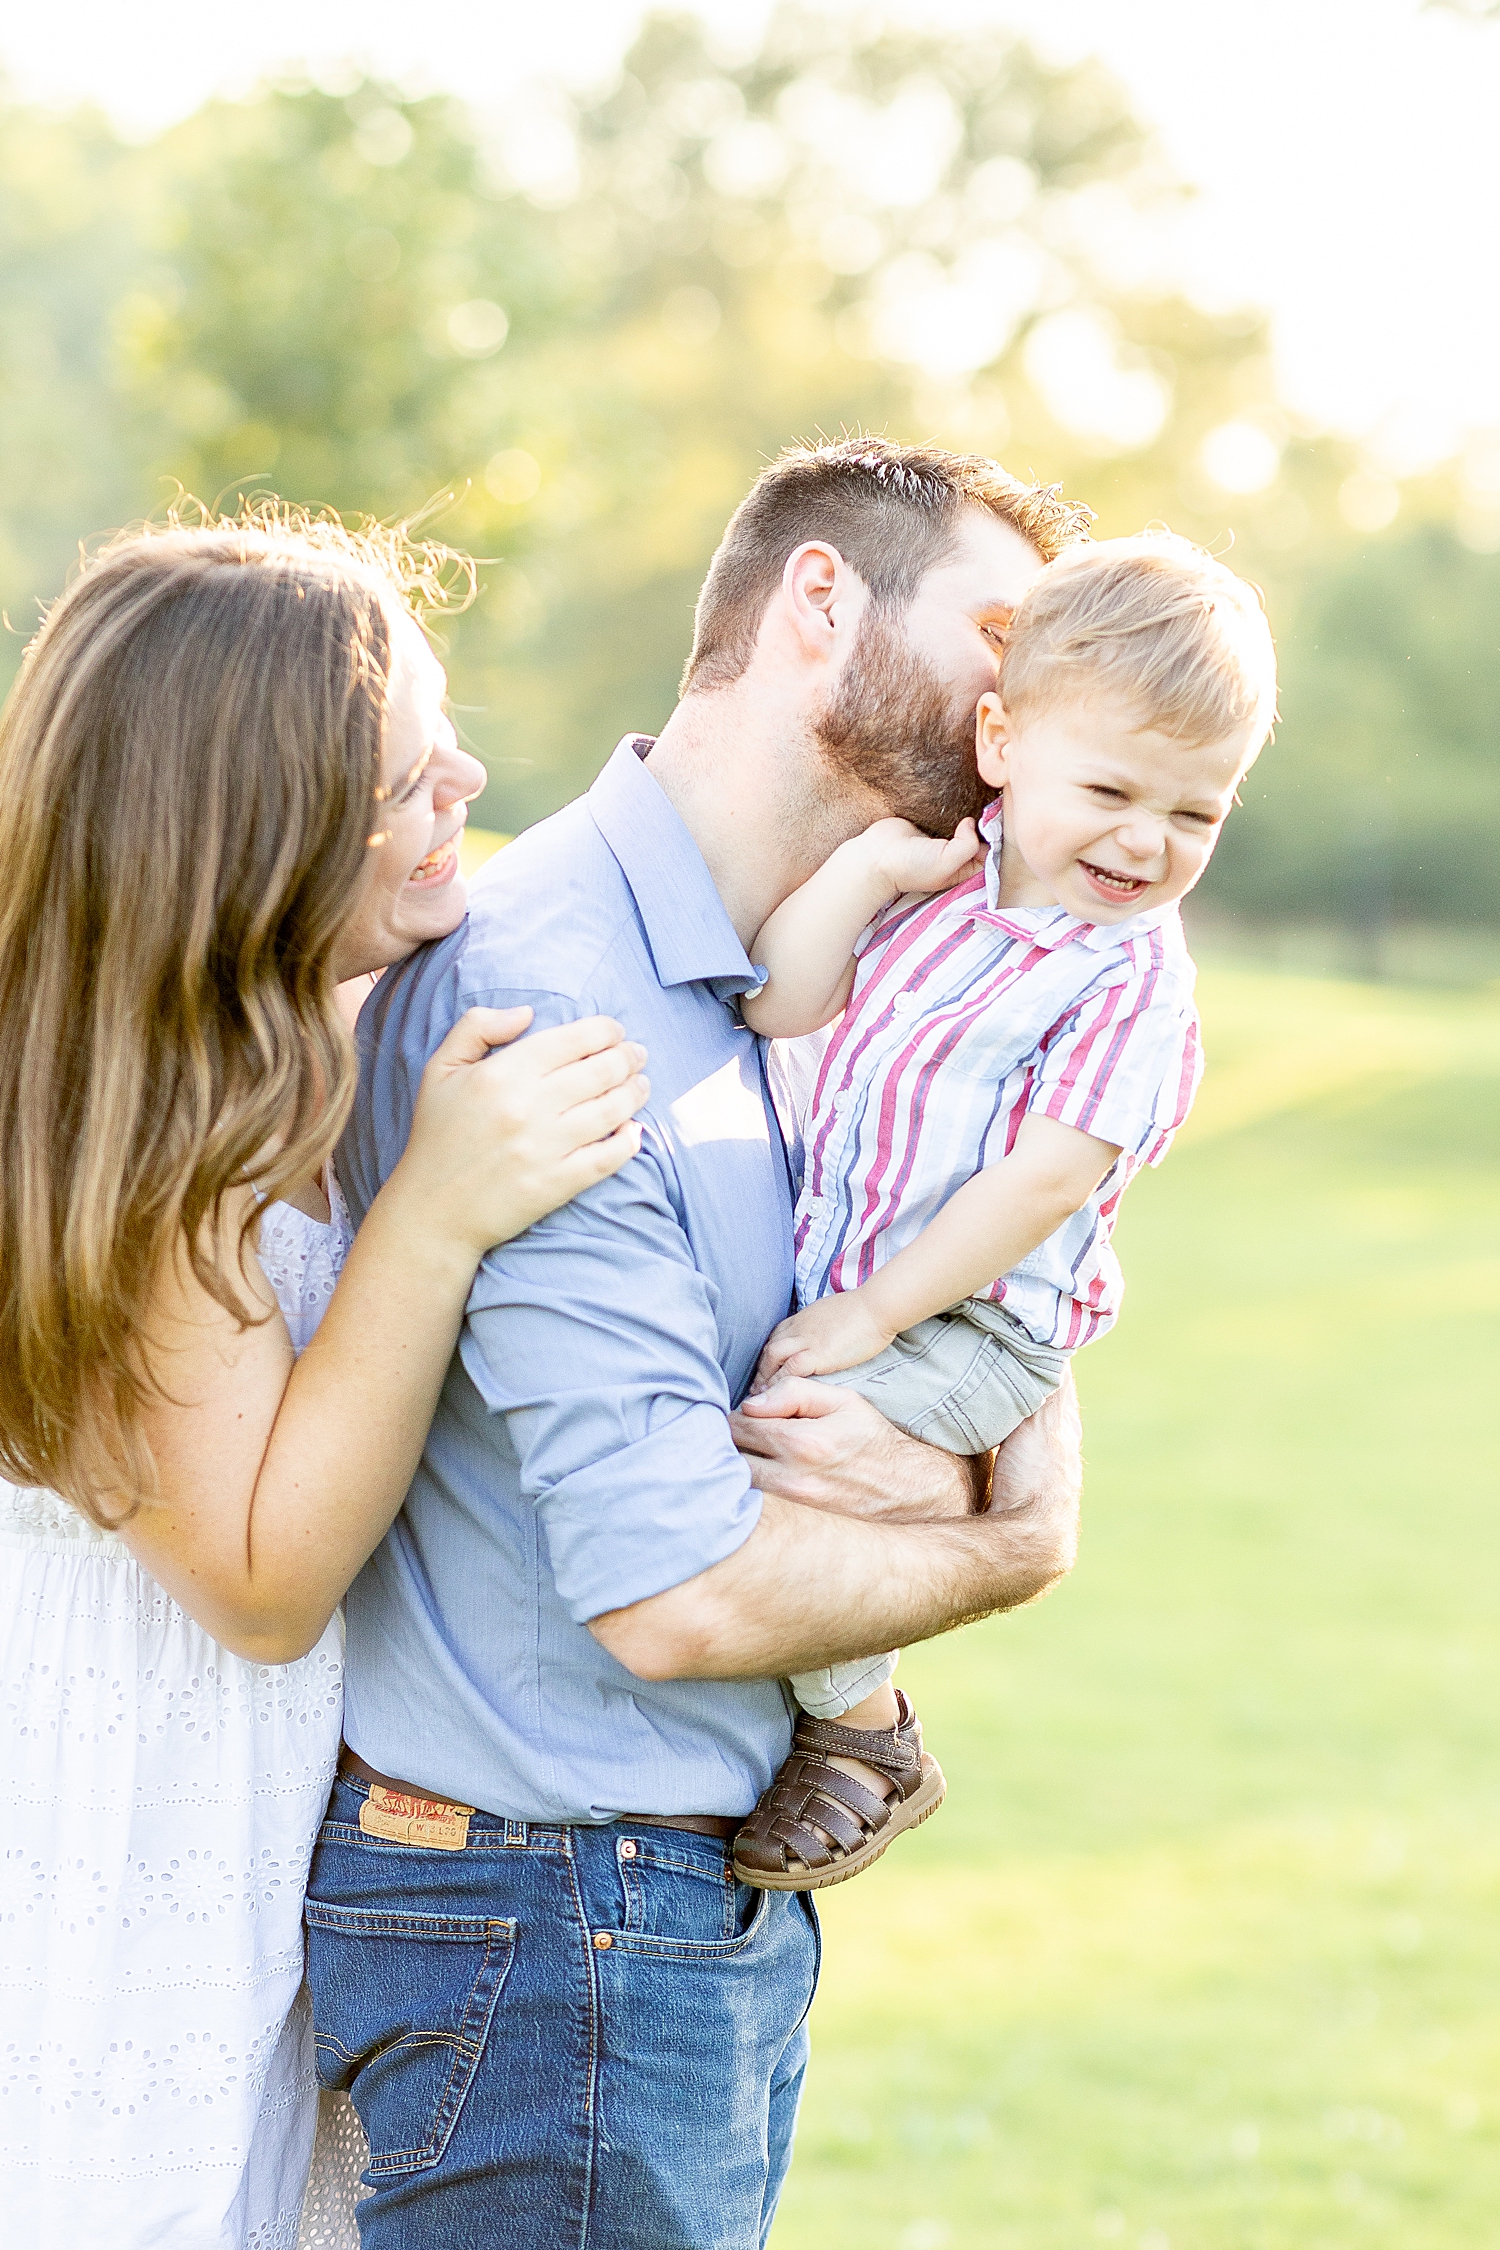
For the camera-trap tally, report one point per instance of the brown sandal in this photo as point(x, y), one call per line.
point(817, 1825)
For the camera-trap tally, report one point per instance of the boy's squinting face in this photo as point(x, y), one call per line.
point(1102, 816)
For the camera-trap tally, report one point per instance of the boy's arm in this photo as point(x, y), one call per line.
point(985, 1228)
point(807, 945)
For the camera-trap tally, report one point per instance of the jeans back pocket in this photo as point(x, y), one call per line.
point(402, 2006)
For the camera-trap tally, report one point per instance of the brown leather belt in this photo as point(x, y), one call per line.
point(700, 1823)
point(718, 1825)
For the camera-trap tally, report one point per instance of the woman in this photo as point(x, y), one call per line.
point(230, 787)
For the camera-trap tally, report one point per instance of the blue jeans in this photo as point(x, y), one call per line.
point(559, 2038)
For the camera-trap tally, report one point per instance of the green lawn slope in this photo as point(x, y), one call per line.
point(1203, 1951)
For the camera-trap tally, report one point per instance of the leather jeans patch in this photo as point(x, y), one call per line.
point(401, 1819)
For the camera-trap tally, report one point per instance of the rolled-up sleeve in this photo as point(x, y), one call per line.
point(594, 1335)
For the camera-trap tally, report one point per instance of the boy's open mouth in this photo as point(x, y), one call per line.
point(1109, 884)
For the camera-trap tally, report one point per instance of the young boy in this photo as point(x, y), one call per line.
point(1008, 1054)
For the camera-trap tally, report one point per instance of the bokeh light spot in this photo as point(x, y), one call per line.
point(1240, 457)
point(478, 328)
point(513, 477)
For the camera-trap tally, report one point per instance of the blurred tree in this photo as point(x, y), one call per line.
point(591, 323)
point(67, 238)
point(330, 283)
point(928, 233)
point(351, 297)
point(1380, 800)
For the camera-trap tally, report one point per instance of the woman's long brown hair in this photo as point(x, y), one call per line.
point(189, 762)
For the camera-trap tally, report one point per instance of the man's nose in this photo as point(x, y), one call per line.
point(459, 778)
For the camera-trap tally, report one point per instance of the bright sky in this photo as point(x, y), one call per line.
point(1346, 150)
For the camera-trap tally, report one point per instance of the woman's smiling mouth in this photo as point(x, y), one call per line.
point(440, 865)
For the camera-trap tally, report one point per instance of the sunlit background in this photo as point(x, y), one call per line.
point(1227, 266)
point(1200, 1954)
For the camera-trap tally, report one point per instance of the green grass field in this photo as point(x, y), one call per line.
point(1203, 1950)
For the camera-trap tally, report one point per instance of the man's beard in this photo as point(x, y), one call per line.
point(893, 723)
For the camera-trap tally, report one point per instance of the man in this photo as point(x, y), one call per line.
point(562, 2020)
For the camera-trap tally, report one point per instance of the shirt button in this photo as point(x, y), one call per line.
point(603, 1941)
point(903, 1003)
point(628, 1850)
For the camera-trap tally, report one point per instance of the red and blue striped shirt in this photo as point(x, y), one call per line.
point(964, 1018)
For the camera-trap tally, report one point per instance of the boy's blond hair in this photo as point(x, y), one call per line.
point(1154, 621)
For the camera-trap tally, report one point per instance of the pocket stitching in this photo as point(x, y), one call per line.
point(494, 1934)
point(398, 2159)
point(379, 1921)
point(466, 2053)
point(675, 1863)
point(692, 1949)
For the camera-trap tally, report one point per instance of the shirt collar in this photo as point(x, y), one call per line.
point(1049, 927)
point(692, 939)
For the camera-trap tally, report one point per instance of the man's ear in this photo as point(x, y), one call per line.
point(822, 597)
point(992, 741)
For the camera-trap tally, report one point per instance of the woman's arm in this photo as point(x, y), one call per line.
point(985, 1228)
point(807, 945)
point(278, 1478)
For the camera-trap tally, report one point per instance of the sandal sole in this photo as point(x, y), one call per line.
point(919, 1806)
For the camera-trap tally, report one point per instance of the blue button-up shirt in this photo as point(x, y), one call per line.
point(580, 1458)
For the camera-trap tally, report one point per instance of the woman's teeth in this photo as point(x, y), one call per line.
point(433, 861)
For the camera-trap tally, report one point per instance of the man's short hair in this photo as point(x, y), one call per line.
point(1155, 622)
point(892, 511)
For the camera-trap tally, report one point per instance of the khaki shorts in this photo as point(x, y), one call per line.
point(963, 1380)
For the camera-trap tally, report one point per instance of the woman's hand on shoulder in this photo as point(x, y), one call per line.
point(500, 1139)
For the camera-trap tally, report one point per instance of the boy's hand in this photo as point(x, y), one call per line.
point(906, 860)
point(838, 1331)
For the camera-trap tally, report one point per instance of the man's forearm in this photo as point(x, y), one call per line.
point(864, 1542)
point(810, 1587)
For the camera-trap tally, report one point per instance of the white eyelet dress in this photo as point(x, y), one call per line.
point(161, 1798)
